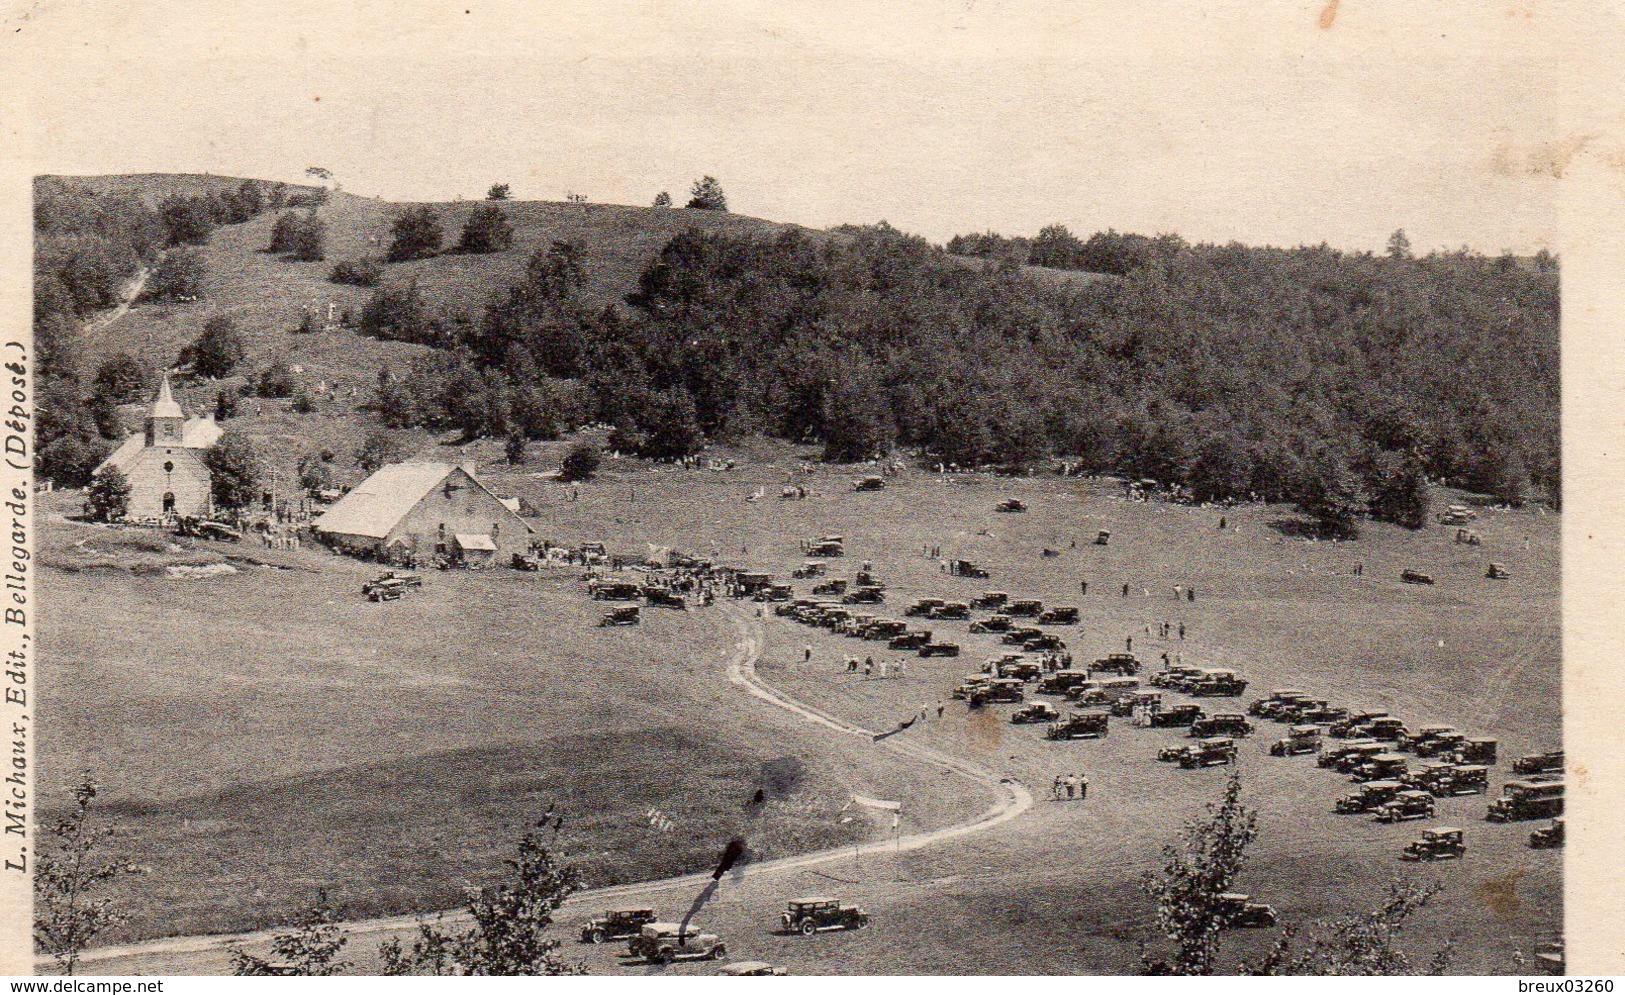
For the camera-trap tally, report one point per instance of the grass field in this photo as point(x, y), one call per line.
point(393, 751)
point(265, 732)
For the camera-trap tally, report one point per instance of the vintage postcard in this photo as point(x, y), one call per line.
point(934, 488)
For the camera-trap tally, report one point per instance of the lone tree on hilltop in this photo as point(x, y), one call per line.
point(1399, 245)
point(487, 230)
point(417, 235)
point(707, 195)
point(1196, 871)
point(662, 199)
point(108, 498)
point(498, 191)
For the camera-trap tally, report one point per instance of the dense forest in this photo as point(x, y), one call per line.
point(1342, 381)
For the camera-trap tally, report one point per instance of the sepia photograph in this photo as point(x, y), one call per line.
point(932, 488)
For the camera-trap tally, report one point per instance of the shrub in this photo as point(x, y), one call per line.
point(487, 230)
point(358, 272)
point(303, 402)
point(179, 276)
point(108, 499)
point(277, 380)
point(417, 235)
point(581, 463)
point(218, 350)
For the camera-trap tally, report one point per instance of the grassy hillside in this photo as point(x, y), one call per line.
point(264, 294)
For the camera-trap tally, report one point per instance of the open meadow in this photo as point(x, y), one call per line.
point(267, 732)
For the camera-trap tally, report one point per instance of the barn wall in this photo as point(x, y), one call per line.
point(469, 509)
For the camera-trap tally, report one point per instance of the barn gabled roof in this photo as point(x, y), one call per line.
point(379, 503)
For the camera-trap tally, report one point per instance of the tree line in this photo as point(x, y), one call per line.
point(1345, 382)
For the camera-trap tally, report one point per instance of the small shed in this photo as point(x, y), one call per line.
point(474, 550)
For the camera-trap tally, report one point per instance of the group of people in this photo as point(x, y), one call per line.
point(873, 668)
point(1074, 786)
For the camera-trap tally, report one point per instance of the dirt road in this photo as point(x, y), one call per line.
point(210, 954)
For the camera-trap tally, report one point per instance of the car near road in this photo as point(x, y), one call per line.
point(817, 914)
point(616, 924)
point(667, 942)
point(752, 969)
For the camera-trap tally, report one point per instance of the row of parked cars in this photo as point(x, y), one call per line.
point(658, 942)
point(1377, 750)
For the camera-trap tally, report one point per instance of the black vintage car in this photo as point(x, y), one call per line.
point(621, 616)
point(816, 914)
point(616, 924)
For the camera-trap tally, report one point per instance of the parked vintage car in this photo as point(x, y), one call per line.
point(1035, 712)
point(1062, 681)
point(910, 640)
point(752, 969)
point(1382, 767)
point(629, 615)
point(1046, 642)
point(1059, 615)
point(1124, 705)
point(1241, 912)
point(1355, 719)
point(1333, 754)
point(993, 623)
point(386, 590)
point(990, 601)
point(951, 610)
point(1080, 725)
point(1539, 763)
point(870, 483)
point(809, 569)
point(1000, 690)
point(939, 649)
point(1527, 799)
point(616, 924)
point(1478, 750)
point(1173, 718)
point(1025, 608)
point(1406, 805)
point(1212, 752)
point(924, 607)
point(1415, 577)
point(1221, 724)
point(870, 595)
point(1104, 692)
point(1021, 636)
point(665, 942)
point(1125, 664)
point(1370, 795)
point(617, 591)
point(817, 914)
point(970, 685)
point(1548, 837)
point(1442, 843)
point(1216, 683)
point(1274, 698)
point(1299, 739)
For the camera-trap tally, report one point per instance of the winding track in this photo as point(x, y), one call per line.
point(1014, 799)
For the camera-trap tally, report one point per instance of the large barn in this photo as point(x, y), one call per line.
point(164, 464)
point(417, 511)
